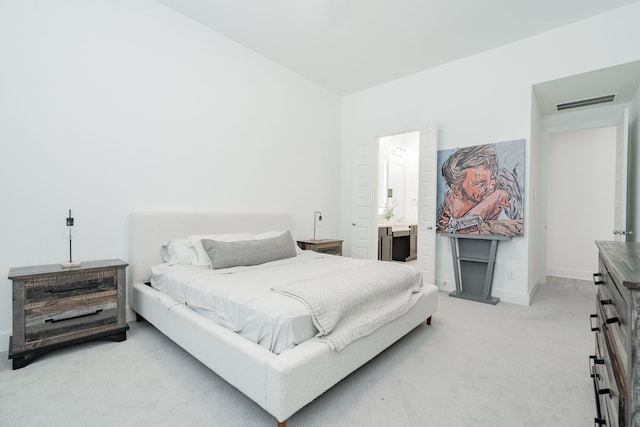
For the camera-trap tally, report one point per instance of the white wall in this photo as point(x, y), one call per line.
point(580, 200)
point(487, 98)
point(537, 202)
point(111, 107)
point(633, 201)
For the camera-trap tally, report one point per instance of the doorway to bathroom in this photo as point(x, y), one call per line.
point(398, 166)
point(368, 200)
point(397, 205)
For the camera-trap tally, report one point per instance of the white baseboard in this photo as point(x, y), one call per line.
point(446, 285)
point(511, 297)
point(506, 296)
point(532, 291)
point(570, 274)
point(4, 341)
point(572, 283)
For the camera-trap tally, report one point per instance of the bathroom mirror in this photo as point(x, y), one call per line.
point(398, 176)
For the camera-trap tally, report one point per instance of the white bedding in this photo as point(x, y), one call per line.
point(241, 298)
point(353, 302)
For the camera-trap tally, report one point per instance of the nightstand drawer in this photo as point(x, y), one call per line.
point(49, 321)
point(332, 250)
point(325, 246)
point(47, 288)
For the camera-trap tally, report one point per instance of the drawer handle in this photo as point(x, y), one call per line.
point(594, 374)
point(95, 313)
point(596, 361)
point(599, 422)
point(612, 320)
point(604, 391)
point(606, 302)
point(76, 288)
point(593, 316)
point(595, 277)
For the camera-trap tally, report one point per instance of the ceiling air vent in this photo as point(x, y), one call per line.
point(586, 102)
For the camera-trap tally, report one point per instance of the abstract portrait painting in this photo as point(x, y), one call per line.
point(481, 189)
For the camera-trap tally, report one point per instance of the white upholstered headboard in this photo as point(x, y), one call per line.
point(148, 231)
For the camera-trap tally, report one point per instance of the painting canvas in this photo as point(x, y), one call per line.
point(481, 189)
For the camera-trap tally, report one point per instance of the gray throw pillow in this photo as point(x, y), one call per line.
point(249, 252)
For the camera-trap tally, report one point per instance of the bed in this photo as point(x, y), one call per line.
point(280, 383)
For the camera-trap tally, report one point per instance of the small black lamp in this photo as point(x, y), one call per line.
point(317, 216)
point(71, 262)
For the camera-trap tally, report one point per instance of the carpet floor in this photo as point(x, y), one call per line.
point(476, 365)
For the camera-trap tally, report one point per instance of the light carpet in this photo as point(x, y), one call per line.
point(476, 365)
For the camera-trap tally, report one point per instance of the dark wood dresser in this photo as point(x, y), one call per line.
point(55, 306)
point(615, 366)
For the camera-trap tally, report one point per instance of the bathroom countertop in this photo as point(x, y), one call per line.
point(397, 226)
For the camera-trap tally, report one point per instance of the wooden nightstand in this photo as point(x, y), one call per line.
point(325, 246)
point(55, 306)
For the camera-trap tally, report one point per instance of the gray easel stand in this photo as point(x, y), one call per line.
point(474, 258)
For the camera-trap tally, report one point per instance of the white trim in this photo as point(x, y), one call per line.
point(570, 274)
point(4, 340)
point(446, 285)
point(512, 297)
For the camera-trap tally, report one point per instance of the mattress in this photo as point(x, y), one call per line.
point(241, 298)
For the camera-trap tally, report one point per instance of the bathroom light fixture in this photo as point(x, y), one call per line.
point(317, 216)
point(398, 151)
point(71, 262)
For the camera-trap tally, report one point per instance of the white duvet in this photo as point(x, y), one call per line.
point(242, 300)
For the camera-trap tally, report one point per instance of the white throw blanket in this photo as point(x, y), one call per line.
point(353, 303)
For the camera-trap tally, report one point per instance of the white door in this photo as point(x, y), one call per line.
point(427, 204)
point(622, 147)
point(364, 235)
point(363, 201)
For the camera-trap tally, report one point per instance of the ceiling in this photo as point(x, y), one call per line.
point(350, 45)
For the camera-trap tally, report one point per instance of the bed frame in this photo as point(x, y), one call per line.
point(281, 384)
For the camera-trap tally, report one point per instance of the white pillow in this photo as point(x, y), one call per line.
point(202, 257)
point(178, 251)
point(270, 234)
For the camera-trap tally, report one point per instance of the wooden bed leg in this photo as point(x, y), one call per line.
point(139, 318)
point(428, 322)
point(282, 423)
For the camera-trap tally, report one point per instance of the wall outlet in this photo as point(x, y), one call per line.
point(445, 285)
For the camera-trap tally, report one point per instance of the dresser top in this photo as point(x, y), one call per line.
point(39, 270)
point(622, 260)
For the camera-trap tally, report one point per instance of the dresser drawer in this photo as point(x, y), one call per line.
point(614, 298)
point(617, 363)
point(601, 381)
point(614, 400)
point(612, 308)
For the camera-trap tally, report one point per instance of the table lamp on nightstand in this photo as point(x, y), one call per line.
point(71, 262)
point(317, 216)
